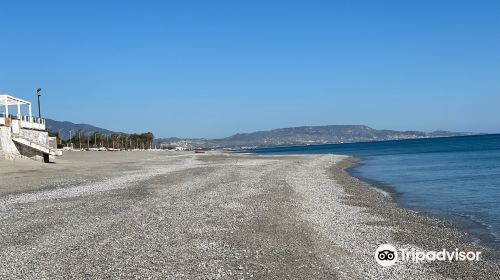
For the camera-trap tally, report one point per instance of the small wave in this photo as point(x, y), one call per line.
point(381, 191)
point(484, 230)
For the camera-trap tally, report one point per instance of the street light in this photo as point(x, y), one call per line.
point(71, 138)
point(59, 135)
point(39, 94)
point(80, 138)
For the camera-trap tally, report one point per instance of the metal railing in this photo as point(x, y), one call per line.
point(22, 121)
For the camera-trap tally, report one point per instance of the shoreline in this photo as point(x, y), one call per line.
point(385, 190)
point(417, 228)
point(391, 193)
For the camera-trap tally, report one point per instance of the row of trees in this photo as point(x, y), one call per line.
point(115, 141)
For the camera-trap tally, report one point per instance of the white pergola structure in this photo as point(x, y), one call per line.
point(7, 100)
point(20, 120)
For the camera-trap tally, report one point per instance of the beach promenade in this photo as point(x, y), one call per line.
point(180, 215)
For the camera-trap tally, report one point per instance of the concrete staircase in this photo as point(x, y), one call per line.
point(44, 150)
point(35, 146)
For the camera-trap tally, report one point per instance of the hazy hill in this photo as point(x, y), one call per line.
point(66, 126)
point(306, 135)
point(303, 135)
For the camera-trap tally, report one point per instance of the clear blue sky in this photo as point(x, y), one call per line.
point(215, 68)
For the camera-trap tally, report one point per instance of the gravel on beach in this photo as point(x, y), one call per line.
point(164, 215)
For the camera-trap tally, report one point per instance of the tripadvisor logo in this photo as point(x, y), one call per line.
point(388, 255)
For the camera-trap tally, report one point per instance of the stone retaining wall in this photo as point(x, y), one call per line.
point(39, 137)
point(7, 148)
point(11, 150)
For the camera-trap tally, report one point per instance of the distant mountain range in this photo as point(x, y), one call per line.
point(65, 127)
point(303, 135)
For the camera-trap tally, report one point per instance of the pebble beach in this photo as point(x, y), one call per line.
point(180, 215)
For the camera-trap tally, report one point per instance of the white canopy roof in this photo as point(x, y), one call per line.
point(11, 100)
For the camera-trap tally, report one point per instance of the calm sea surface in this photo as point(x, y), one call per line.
point(457, 178)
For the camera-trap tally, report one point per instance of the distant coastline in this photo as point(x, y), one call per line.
point(269, 148)
point(307, 136)
point(280, 137)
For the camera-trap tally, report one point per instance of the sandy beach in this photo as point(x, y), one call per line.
point(180, 215)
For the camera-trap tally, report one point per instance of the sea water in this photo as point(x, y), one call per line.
point(457, 178)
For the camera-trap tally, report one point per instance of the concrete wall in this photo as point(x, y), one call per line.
point(39, 137)
point(8, 149)
point(11, 150)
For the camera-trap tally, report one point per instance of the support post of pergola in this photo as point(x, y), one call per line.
point(6, 107)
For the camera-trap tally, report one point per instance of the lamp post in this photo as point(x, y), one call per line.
point(80, 138)
point(71, 138)
point(38, 95)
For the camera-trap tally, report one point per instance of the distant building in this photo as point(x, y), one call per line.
point(23, 135)
point(171, 147)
